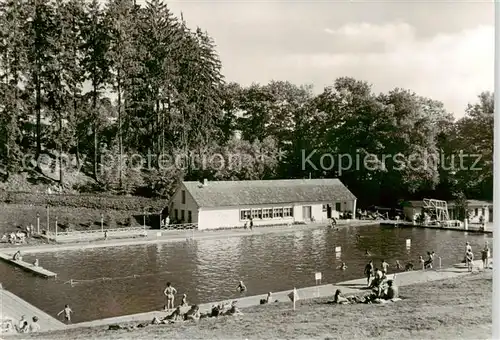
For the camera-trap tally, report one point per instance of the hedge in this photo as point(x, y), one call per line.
point(100, 202)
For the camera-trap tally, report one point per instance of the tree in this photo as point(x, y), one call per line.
point(97, 65)
point(72, 18)
point(121, 53)
point(12, 61)
point(474, 148)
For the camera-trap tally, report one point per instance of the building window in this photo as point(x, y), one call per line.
point(182, 215)
point(278, 212)
point(256, 213)
point(287, 212)
point(190, 217)
point(483, 211)
point(476, 211)
point(245, 214)
point(267, 213)
point(176, 214)
point(183, 197)
point(338, 206)
point(325, 207)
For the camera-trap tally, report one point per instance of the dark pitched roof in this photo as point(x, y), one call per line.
point(236, 193)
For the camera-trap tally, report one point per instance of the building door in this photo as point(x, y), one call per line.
point(490, 212)
point(328, 211)
point(306, 212)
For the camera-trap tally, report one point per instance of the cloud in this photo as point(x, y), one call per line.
point(453, 67)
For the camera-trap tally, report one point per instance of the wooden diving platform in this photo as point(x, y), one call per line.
point(28, 267)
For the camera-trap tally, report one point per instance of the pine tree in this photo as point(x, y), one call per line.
point(96, 46)
point(119, 16)
point(12, 61)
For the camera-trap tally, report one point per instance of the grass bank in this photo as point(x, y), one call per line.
point(458, 308)
point(68, 217)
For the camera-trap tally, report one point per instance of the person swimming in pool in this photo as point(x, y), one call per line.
point(241, 287)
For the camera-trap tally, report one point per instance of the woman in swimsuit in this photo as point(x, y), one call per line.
point(170, 294)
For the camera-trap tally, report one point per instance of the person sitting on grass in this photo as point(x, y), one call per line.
point(266, 300)
point(175, 315)
point(339, 298)
point(233, 310)
point(35, 326)
point(23, 327)
point(392, 291)
point(17, 256)
point(193, 313)
point(428, 262)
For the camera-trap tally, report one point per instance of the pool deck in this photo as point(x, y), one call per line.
point(471, 228)
point(28, 266)
point(347, 287)
point(12, 306)
point(177, 236)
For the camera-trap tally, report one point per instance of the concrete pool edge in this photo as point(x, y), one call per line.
point(175, 236)
point(305, 293)
point(13, 306)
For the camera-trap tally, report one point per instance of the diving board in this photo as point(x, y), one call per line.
point(28, 267)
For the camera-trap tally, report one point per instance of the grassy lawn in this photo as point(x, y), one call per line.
point(449, 309)
point(14, 215)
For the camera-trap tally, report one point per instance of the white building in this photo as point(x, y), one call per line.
point(476, 209)
point(229, 204)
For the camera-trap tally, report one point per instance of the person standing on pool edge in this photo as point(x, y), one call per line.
point(369, 272)
point(170, 295)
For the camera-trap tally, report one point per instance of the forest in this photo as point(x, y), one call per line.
point(95, 97)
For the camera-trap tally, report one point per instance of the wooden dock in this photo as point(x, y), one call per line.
point(28, 267)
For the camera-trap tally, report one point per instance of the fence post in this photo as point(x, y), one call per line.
point(102, 223)
point(38, 223)
point(56, 228)
point(48, 220)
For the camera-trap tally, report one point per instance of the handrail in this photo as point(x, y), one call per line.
point(95, 231)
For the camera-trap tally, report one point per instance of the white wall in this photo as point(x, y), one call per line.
point(229, 217)
point(453, 213)
point(190, 205)
point(477, 212)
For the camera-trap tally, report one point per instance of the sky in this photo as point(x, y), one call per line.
point(441, 50)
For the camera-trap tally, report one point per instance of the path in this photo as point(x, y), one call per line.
point(347, 287)
point(176, 236)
